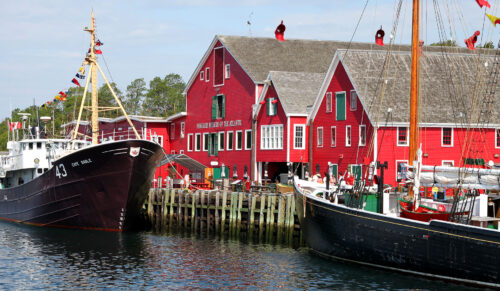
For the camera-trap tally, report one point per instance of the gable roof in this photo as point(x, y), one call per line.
point(296, 90)
point(449, 85)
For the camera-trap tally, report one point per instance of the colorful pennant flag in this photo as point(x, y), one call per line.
point(98, 52)
point(80, 76)
point(74, 81)
point(81, 70)
point(44, 105)
point(482, 3)
point(99, 43)
point(495, 20)
point(62, 94)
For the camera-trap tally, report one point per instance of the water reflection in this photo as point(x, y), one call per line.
point(44, 258)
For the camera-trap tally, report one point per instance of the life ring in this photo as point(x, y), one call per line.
point(441, 208)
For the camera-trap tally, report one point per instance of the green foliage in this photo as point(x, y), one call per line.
point(488, 45)
point(445, 43)
point(163, 98)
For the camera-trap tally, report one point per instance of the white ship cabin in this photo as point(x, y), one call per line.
point(28, 159)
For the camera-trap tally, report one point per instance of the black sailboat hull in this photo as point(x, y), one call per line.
point(436, 249)
point(100, 187)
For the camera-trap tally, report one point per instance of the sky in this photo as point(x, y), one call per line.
point(43, 42)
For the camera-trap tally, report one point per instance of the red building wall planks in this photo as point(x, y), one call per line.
point(271, 155)
point(239, 90)
point(339, 154)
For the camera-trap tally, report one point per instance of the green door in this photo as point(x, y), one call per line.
point(356, 170)
point(218, 171)
point(335, 171)
point(340, 105)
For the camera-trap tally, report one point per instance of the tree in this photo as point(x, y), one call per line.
point(106, 99)
point(488, 45)
point(445, 43)
point(135, 96)
point(164, 96)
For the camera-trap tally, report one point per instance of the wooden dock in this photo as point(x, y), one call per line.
point(256, 217)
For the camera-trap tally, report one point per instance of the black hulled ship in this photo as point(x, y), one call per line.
point(73, 182)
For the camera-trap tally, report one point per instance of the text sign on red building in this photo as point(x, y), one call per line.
point(216, 124)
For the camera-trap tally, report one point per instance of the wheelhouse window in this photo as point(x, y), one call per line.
point(190, 142)
point(299, 134)
point(333, 132)
point(218, 107)
point(319, 132)
point(447, 137)
point(348, 136)
point(197, 142)
point(354, 100)
point(271, 137)
point(239, 140)
point(230, 140)
point(248, 139)
point(402, 136)
point(362, 135)
point(328, 102)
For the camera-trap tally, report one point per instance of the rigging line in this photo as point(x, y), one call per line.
point(356, 28)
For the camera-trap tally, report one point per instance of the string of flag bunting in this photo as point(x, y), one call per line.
point(469, 42)
point(80, 75)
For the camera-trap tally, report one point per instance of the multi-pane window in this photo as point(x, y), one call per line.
point(299, 136)
point(182, 129)
point(328, 102)
point(402, 136)
point(205, 141)
point(197, 142)
point(362, 135)
point(190, 142)
point(212, 144)
point(319, 136)
point(271, 137)
point(239, 140)
point(354, 100)
point(218, 106)
point(248, 139)
point(230, 139)
point(222, 141)
point(333, 131)
point(172, 131)
point(447, 136)
point(348, 136)
point(158, 139)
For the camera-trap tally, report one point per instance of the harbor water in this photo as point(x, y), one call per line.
point(46, 258)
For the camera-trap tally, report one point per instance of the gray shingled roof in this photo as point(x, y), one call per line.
point(297, 90)
point(448, 84)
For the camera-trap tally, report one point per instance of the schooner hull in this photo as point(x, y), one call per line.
point(100, 187)
point(436, 249)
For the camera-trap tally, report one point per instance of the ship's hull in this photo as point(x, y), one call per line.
point(436, 249)
point(100, 187)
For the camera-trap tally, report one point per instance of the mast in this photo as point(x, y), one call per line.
point(94, 100)
point(414, 88)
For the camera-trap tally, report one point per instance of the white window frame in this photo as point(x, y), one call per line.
point(497, 133)
point(328, 101)
point(246, 137)
point(227, 71)
point(183, 128)
point(360, 139)
point(173, 152)
point(318, 144)
point(197, 146)
point(172, 131)
point(205, 142)
point(207, 74)
point(181, 152)
point(236, 140)
point(202, 75)
point(355, 99)
point(348, 137)
point(302, 139)
point(452, 162)
point(158, 139)
point(229, 133)
point(271, 137)
point(407, 137)
point(333, 144)
point(442, 137)
point(220, 145)
point(189, 142)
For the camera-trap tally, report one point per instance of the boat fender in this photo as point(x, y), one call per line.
point(441, 208)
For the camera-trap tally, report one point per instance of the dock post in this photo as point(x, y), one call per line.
point(165, 209)
point(186, 214)
point(193, 211)
point(196, 213)
point(238, 216)
point(179, 209)
point(171, 211)
point(216, 216)
point(202, 212)
point(251, 213)
point(150, 205)
point(270, 218)
point(261, 216)
point(281, 218)
point(223, 212)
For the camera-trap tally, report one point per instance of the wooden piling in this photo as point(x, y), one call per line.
point(281, 218)
point(238, 214)
point(216, 214)
point(223, 213)
point(251, 212)
point(261, 216)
